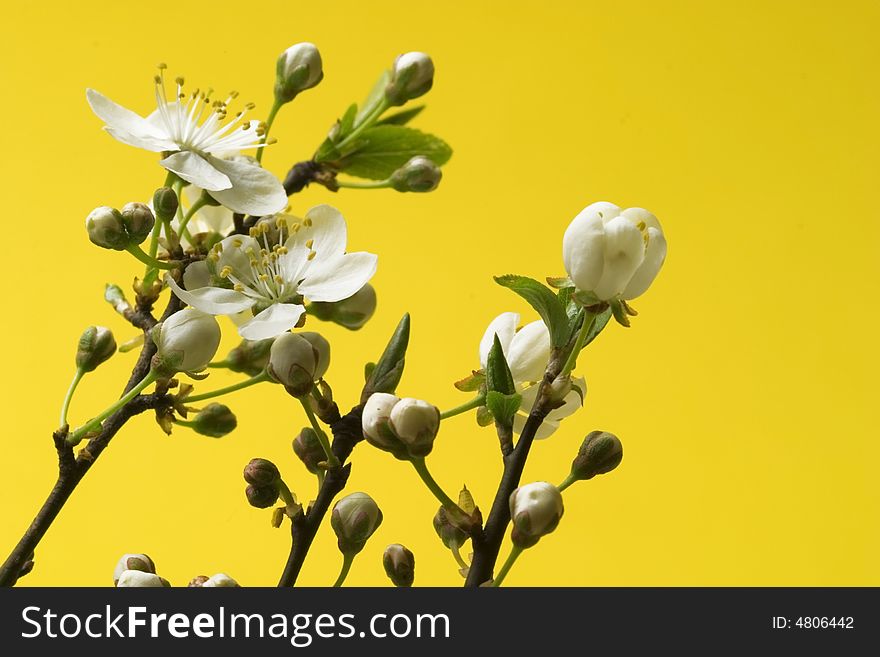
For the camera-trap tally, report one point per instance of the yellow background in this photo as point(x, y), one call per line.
point(744, 393)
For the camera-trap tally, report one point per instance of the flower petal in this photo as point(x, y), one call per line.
point(624, 253)
point(252, 189)
point(327, 232)
point(544, 431)
point(572, 403)
point(529, 352)
point(339, 278)
point(583, 245)
point(148, 144)
point(122, 121)
point(273, 321)
point(211, 300)
point(505, 327)
point(655, 255)
point(194, 169)
point(197, 275)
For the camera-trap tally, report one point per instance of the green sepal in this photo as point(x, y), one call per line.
point(560, 282)
point(619, 313)
point(471, 383)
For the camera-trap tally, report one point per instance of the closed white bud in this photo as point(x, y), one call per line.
point(219, 580)
point(416, 423)
point(297, 360)
point(107, 229)
point(412, 76)
point(298, 68)
point(186, 342)
point(140, 579)
point(375, 418)
point(611, 253)
point(419, 174)
point(139, 562)
point(535, 510)
point(354, 519)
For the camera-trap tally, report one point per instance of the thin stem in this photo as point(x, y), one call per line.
point(444, 499)
point(259, 378)
point(569, 480)
point(149, 260)
point(476, 402)
point(586, 325)
point(201, 202)
point(277, 105)
point(77, 435)
point(350, 184)
point(511, 559)
point(284, 492)
point(218, 365)
point(332, 461)
point(347, 560)
point(157, 230)
point(80, 373)
point(456, 552)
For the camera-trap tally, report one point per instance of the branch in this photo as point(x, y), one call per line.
point(346, 434)
point(300, 175)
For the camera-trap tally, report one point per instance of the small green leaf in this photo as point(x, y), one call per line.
point(402, 117)
point(471, 383)
point(346, 123)
point(368, 371)
point(326, 152)
point(377, 93)
point(381, 150)
point(599, 324)
point(560, 282)
point(498, 376)
point(503, 407)
point(389, 369)
point(542, 299)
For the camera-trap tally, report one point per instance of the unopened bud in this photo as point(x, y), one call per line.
point(309, 450)
point(535, 510)
point(411, 77)
point(215, 420)
point(352, 313)
point(139, 579)
point(107, 229)
point(261, 497)
point(400, 565)
point(261, 472)
point(297, 360)
point(197, 581)
point(220, 580)
point(139, 562)
point(419, 174)
point(165, 203)
point(452, 535)
point(415, 423)
point(185, 342)
point(96, 345)
point(600, 452)
point(375, 422)
point(297, 69)
point(250, 356)
point(139, 221)
point(354, 519)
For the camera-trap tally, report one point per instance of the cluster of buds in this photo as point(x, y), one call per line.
point(405, 427)
point(185, 342)
point(111, 229)
point(297, 360)
point(535, 510)
point(400, 565)
point(419, 174)
point(352, 313)
point(263, 480)
point(137, 570)
point(220, 580)
point(96, 345)
point(411, 76)
point(354, 519)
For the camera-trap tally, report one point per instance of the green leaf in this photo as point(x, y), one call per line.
point(389, 369)
point(560, 282)
point(346, 123)
point(377, 93)
point(402, 117)
point(381, 150)
point(599, 324)
point(565, 296)
point(498, 376)
point(471, 383)
point(503, 407)
point(542, 299)
point(326, 152)
point(368, 371)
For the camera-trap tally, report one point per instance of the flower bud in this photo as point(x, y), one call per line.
point(352, 313)
point(186, 342)
point(107, 229)
point(309, 450)
point(139, 221)
point(450, 533)
point(600, 452)
point(400, 565)
point(419, 174)
point(297, 360)
point(219, 580)
point(197, 581)
point(375, 422)
point(611, 253)
point(215, 420)
point(535, 510)
point(261, 472)
point(261, 497)
point(411, 77)
point(298, 68)
point(96, 345)
point(140, 579)
point(354, 519)
point(139, 562)
point(165, 203)
point(250, 356)
point(415, 423)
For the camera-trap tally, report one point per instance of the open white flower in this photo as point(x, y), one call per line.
point(271, 279)
point(527, 352)
point(194, 141)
